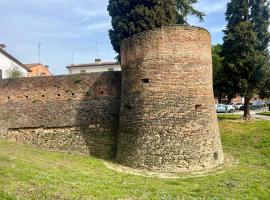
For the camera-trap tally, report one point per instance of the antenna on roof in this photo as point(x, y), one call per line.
point(2, 46)
point(39, 51)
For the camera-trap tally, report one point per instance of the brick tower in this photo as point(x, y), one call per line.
point(168, 121)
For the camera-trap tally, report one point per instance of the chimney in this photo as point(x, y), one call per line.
point(98, 61)
point(3, 46)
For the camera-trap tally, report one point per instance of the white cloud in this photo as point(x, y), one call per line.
point(73, 26)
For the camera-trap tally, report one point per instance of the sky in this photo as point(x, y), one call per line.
point(75, 27)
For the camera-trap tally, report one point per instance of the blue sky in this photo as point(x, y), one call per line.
point(66, 27)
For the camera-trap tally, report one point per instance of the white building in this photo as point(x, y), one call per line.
point(98, 66)
point(9, 63)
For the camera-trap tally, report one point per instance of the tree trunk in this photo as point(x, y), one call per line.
point(247, 115)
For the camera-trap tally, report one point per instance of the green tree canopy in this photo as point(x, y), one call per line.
point(244, 59)
point(130, 17)
point(260, 15)
point(186, 8)
point(14, 72)
point(217, 70)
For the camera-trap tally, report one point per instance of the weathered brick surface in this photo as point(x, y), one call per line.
point(77, 113)
point(167, 118)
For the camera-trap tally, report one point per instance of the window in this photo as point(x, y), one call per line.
point(110, 69)
point(83, 71)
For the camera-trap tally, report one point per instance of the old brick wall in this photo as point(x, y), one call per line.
point(168, 120)
point(75, 113)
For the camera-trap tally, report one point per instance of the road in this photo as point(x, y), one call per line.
point(255, 115)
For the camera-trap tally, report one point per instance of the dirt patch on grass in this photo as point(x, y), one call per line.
point(229, 163)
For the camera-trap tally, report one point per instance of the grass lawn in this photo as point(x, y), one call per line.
point(229, 116)
point(30, 173)
point(264, 113)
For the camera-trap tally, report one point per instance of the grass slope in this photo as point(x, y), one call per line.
point(30, 173)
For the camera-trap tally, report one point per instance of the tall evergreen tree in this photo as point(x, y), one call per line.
point(130, 17)
point(220, 79)
point(186, 8)
point(243, 61)
point(217, 71)
point(260, 17)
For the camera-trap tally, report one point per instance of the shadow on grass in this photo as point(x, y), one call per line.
point(264, 113)
point(229, 116)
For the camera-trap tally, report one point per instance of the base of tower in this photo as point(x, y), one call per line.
point(229, 163)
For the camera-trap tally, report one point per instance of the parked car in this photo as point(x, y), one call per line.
point(242, 107)
point(222, 108)
point(238, 106)
point(257, 105)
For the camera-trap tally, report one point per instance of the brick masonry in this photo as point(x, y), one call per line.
point(77, 113)
point(167, 119)
point(161, 117)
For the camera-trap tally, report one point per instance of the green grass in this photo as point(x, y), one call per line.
point(264, 113)
point(30, 173)
point(229, 116)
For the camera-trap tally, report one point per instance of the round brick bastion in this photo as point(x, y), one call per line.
point(168, 121)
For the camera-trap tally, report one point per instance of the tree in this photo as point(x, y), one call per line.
point(14, 72)
point(217, 71)
point(260, 16)
point(221, 81)
point(185, 8)
point(130, 17)
point(243, 62)
point(264, 89)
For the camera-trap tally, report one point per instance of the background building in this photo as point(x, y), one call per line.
point(10, 65)
point(38, 69)
point(98, 66)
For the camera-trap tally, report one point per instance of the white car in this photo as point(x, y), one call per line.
point(238, 105)
point(222, 108)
